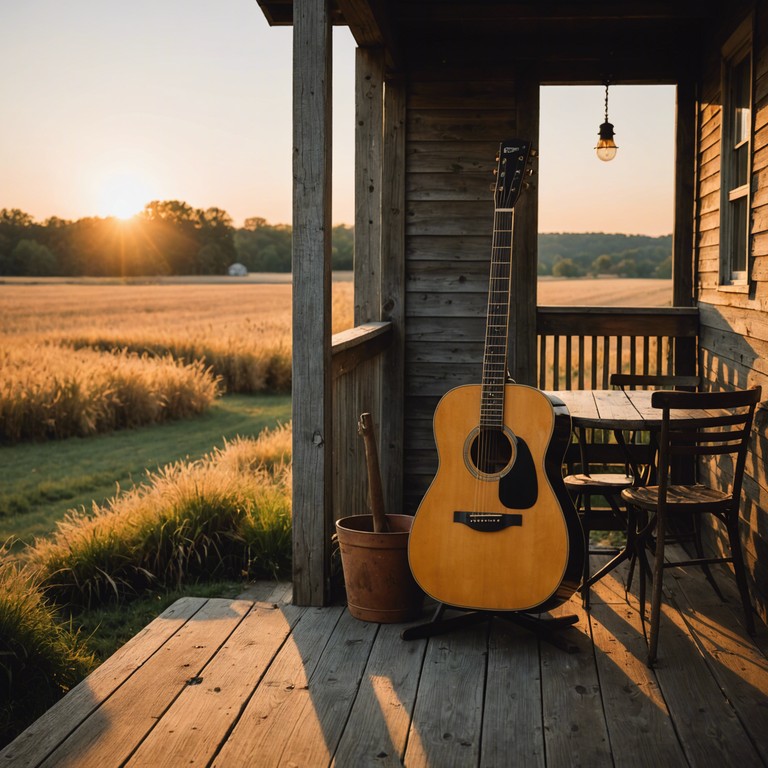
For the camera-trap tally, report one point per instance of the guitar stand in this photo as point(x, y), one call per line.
point(545, 629)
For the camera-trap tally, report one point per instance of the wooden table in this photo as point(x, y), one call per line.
point(617, 409)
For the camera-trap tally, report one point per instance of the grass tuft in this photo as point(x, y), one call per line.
point(226, 515)
point(41, 657)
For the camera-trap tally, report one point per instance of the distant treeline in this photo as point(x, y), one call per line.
point(576, 255)
point(172, 238)
point(167, 238)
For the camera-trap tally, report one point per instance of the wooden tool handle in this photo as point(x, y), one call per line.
point(365, 428)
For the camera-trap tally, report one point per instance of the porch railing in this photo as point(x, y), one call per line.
point(580, 347)
point(356, 369)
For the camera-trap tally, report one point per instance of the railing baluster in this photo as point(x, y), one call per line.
point(593, 382)
point(601, 340)
point(646, 355)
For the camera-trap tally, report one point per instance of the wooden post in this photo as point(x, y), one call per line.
point(312, 424)
point(522, 327)
point(369, 109)
point(393, 293)
point(682, 238)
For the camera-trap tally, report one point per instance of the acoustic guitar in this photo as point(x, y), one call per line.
point(496, 529)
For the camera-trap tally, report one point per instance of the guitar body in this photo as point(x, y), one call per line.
point(498, 534)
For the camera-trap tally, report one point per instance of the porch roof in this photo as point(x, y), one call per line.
point(638, 41)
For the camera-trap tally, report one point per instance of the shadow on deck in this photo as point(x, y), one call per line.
point(261, 682)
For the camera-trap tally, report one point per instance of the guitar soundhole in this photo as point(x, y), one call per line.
point(491, 451)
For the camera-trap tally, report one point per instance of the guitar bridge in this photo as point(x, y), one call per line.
point(487, 521)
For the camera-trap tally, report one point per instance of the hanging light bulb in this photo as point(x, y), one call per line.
point(606, 146)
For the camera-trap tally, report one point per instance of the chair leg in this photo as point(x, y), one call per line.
point(658, 579)
point(585, 525)
point(740, 571)
point(700, 554)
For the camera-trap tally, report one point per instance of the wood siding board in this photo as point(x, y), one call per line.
point(451, 157)
point(479, 94)
point(441, 248)
point(460, 125)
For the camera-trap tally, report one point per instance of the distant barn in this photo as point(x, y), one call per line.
point(237, 270)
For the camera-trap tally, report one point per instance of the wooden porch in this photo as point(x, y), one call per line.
point(258, 681)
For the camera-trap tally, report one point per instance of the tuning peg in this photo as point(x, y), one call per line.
point(529, 171)
point(493, 187)
point(533, 152)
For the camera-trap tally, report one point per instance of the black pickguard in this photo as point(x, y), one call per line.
point(519, 488)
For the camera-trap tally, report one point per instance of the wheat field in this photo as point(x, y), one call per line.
point(63, 342)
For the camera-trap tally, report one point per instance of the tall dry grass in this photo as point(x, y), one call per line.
point(162, 347)
point(41, 658)
point(227, 515)
point(50, 392)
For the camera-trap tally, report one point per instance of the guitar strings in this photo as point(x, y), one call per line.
point(495, 357)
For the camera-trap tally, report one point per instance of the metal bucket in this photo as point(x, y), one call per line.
point(380, 586)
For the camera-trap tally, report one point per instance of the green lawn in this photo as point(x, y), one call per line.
point(41, 481)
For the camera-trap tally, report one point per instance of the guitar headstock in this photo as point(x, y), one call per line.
point(513, 168)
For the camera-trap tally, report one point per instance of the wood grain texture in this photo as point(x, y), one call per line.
point(110, 734)
point(311, 267)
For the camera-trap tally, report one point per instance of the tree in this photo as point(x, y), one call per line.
point(566, 268)
point(32, 259)
point(602, 265)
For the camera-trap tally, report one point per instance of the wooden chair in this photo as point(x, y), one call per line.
point(585, 485)
point(697, 425)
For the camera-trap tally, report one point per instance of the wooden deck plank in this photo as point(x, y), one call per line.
point(48, 731)
point(449, 706)
point(377, 731)
point(512, 729)
point(112, 732)
point(198, 721)
point(273, 712)
point(634, 707)
point(307, 686)
point(705, 721)
point(736, 663)
point(331, 693)
point(574, 725)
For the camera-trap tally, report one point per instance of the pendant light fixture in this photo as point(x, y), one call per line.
point(606, 146)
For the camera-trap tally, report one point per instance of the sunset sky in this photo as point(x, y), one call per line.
point(108, 105)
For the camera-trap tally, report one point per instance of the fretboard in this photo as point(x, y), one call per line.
point(497, 321)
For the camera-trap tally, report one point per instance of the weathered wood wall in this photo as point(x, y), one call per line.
point(734, 326)
point(453, 130)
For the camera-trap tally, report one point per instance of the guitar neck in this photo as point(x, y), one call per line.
point(497, 321)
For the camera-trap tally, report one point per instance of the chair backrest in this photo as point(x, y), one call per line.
point(701, 424)
point(654, 380)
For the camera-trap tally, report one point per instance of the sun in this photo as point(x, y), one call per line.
point(123, 195)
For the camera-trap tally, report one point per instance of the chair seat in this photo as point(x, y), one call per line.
point(682, 496)
point(595, 483)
